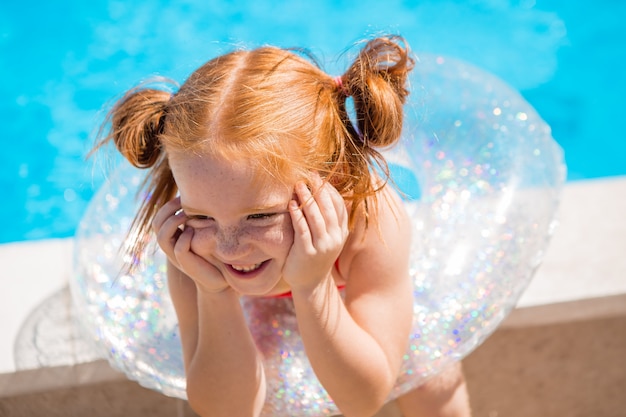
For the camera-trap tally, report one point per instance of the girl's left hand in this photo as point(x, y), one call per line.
point(320, 224)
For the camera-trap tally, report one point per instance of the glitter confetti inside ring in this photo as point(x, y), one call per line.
point(481, 177)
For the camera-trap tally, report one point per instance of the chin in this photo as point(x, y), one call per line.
point(258, 286)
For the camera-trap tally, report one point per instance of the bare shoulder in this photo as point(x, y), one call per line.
point(377, 252)
point(378, 291)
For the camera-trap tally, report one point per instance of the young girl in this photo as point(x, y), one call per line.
point(260, 185)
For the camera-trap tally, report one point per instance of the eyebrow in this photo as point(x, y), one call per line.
point(260, 209)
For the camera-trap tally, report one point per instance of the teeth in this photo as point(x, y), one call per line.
point(246, 268)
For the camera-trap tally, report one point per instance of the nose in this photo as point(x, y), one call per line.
point(230, 244)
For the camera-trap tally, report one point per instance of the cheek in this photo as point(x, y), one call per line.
point(287, 233)
point(203, 241)
point(279, 236)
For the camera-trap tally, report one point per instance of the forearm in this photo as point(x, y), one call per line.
point(225, 375)
point(348, 361)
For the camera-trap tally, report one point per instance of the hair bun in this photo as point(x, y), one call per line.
point(377, 82)
point(137, 121)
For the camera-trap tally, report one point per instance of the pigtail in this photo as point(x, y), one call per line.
point(135, 125)
point(376, 81)
point(136, 122)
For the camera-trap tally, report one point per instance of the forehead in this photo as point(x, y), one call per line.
point(202, 178)
point(259, 164)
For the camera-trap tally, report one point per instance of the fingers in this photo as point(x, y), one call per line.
point(196, 267)
point(167, 226)
point(312, 219)
point(185, 256)
point(322, 214)
point(320, 232)
point(169, 209)
point(175, 240)
point(302, 232)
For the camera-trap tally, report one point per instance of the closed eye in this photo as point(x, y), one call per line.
point(260, 216)
point(198, 217)
point(199, 221)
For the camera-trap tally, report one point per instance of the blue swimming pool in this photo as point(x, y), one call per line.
point(61, 63)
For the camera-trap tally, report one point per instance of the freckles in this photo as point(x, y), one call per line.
point(287, 231)
point(202, 240)
point(278, 235)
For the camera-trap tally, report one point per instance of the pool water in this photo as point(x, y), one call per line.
point(61, 65)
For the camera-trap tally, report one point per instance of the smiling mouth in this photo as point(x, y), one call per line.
point(246, 268)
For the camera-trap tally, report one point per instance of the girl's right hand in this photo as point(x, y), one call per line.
point(174, 238)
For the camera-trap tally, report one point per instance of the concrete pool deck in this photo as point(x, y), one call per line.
point(569, 328)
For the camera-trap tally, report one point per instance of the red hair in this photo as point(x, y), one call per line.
point(276, 109)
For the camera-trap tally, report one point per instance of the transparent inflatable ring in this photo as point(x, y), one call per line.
point(481, 176)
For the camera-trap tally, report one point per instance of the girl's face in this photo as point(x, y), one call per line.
point(241, 225)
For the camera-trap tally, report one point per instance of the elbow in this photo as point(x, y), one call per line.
point(370, 401)
point(201, 400)
point(367, 407)
point(197, 400)
point(217, 402)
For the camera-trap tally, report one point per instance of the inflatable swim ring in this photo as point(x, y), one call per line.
point(481, 176)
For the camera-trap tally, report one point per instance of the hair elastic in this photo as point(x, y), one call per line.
point(339, 83)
